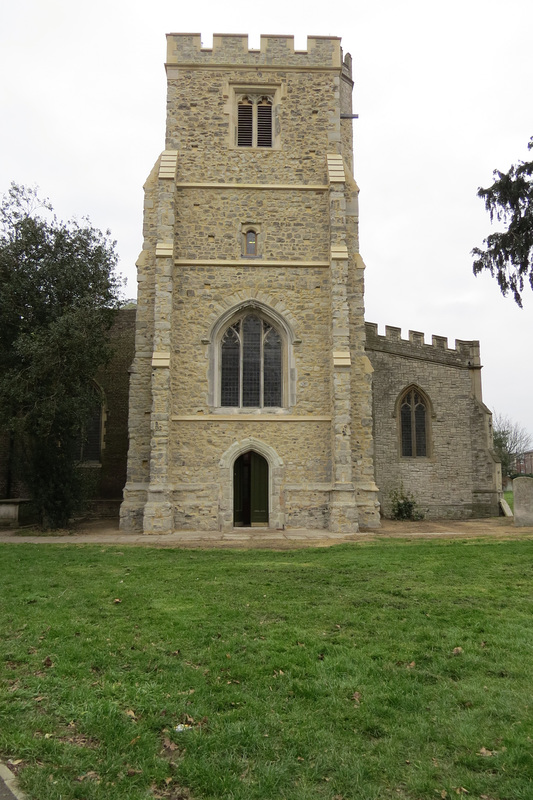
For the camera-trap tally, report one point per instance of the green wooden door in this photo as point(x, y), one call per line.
point(238, 511)
point(250, 490)
point(258, 490)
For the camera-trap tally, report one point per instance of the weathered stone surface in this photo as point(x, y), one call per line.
point(523, 501)
point(459, 477)
point(307, 278)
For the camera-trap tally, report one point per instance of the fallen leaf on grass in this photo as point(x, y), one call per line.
point(168, 744)
point(89, 776)
point(117, 600)
point(132, 771)
point(460, 790)
point(48, 662)
point(170, 792)
point(356, 697)
point(486, 753)
point(457, 652)
point(131, 714)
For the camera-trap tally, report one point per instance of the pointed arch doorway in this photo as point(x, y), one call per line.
point(250, 490)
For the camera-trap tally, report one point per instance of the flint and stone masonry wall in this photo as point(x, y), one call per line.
point(308, 278)
point(460, 477)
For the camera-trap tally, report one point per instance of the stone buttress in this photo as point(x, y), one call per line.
point(251, 219)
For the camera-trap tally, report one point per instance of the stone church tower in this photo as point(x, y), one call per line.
point(251, 393)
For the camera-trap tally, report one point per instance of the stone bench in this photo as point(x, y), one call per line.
point(15, 511)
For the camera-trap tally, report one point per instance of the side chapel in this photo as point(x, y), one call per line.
point(258, 395)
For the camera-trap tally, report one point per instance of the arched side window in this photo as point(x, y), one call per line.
point(251, 243)
point(414, 413)
point(251, 364)
point(251, 240)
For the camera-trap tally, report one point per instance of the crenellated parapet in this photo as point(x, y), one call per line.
point(465, 354)
point(232, 50)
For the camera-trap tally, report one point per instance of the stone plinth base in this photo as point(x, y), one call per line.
point(157, 517)
point(343, 515)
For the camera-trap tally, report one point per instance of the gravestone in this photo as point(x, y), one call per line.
point(523, 501)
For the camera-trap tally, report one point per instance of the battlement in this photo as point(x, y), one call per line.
point(465, 353)
point(231, 49)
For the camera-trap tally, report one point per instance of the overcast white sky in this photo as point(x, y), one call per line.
point(443, 92)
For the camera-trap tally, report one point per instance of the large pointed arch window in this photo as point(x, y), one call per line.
point(414, 421)
point(251, 361)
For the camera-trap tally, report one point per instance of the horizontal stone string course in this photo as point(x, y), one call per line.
point(247, 262)
point(278, 187)
point(261, 418)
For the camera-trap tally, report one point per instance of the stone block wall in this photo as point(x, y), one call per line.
point(459, 476)
point(202, 195)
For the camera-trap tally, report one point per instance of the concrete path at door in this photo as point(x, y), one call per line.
point(105, 531)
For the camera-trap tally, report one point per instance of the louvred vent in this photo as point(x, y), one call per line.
point(245, 124)
point(264, 123)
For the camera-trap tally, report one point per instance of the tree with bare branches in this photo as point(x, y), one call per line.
point(511, 441)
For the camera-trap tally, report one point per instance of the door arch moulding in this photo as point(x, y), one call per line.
point(275, 478)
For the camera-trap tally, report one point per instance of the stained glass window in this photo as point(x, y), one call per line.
point(251, 364)
point(231, 348)
point(413, 424)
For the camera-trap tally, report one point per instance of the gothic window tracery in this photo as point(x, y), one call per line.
point(251, 364)
point(414, 421)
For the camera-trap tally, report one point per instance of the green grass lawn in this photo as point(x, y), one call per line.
point(510, 499)
point(394, 669)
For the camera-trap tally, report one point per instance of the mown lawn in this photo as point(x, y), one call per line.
point(394, 669)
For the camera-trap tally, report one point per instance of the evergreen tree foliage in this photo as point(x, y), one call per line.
point(508, 254)
point(58, 295)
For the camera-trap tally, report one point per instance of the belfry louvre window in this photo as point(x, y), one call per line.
point(254, 121)
point(251, 364)
point(413, 424)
